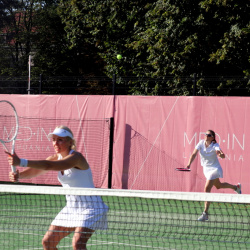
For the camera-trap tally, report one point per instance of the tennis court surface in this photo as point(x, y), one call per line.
point(136, 219)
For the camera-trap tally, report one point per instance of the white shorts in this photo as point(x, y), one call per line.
point(212, 173)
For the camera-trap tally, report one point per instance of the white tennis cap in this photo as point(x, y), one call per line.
point(61, 132)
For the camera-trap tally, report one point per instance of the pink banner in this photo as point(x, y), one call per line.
point(88, 118)
point(152, 136)
point(157, 134)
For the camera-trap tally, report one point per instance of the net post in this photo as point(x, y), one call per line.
point(111, 139)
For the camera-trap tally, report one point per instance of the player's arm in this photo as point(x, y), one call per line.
point(28, 173)
point(192, 157)
point(220, 154)
point(32, 172)
point(74, 160)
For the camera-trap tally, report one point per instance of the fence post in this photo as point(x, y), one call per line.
point(40, 83)
point(114, 83)
point(194, 85)
point(111, 141)
point(29, 68)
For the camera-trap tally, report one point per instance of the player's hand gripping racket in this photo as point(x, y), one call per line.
point(183, 169)
point(8, 127)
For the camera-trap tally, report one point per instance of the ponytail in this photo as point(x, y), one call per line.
point(213, 134)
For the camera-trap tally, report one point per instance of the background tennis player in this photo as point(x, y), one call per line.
point(209, 152)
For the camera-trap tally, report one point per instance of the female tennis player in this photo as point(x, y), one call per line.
point(82, 214)
point(209, 149)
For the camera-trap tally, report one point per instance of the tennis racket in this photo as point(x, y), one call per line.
point(8, 127)
point(183, 169)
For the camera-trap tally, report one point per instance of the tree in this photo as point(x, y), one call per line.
point(163, 42)
point(35, 28)
point(16, 29)
point(186, 37)
point(164, 38)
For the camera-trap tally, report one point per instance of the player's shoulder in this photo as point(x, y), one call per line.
point(201, 142)
point(80, 159)
point(76, 153)
point(200, 145)
point(52, 157)
point(216, 145)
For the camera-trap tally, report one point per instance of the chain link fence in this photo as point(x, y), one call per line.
point(118, 85)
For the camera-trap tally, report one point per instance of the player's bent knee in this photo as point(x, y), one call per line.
point(47, 244)
point(218, 186)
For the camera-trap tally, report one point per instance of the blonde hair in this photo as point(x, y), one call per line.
point(73, 146)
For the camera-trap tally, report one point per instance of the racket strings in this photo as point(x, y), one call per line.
point(8, 122)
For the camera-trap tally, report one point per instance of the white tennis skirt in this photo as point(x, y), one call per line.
point(212, 173)
point(83, 211)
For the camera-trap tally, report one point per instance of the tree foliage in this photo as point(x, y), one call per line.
point(168, 40)
point(16, 26)
point(35, 28)
point(164, 38)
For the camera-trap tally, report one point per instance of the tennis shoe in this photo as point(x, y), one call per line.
point(238, 189)
point(203, 217)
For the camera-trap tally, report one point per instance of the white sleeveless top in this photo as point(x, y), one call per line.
point(74, 177)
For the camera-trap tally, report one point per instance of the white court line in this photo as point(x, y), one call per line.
point(154, 142)
point(124, 244)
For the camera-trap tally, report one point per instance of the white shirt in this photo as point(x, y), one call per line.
point(208, 154)
point(209, 160)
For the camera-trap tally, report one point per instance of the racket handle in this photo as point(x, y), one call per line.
point(13, 168)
